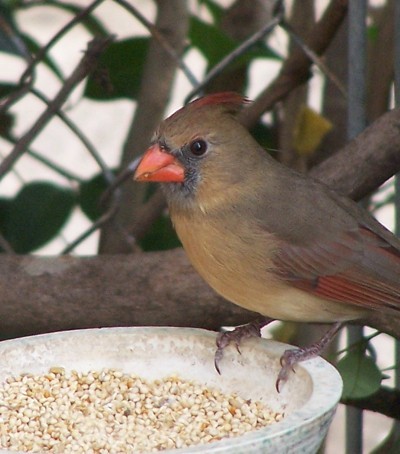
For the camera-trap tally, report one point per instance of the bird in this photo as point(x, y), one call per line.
point(265, 237)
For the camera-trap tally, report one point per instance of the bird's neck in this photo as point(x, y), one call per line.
point(205, 202)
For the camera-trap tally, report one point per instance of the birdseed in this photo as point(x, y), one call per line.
point(114, 412)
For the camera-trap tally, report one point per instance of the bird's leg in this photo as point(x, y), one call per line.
point(293, 356)
point(236, 336)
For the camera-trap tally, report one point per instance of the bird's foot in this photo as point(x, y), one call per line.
point(236, 336)
point(295, 355)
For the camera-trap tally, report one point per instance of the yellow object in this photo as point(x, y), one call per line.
point(310, 129)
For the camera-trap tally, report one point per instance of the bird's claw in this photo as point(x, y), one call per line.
point(287, 361)
point(236, 336)
point(293, 356)
point(219, 353)
point(223, 340)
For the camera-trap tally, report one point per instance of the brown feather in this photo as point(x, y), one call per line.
point(358, 269)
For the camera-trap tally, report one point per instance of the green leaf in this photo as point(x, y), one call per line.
point(210, 40)
point(214, 44)
point(36, 215)
point(361, 376)
point(35, 48)
point(264, 136)
point(262, 50)
point(6, 124)
point(7, 89)
point(5, 204)
point(373, 33)
point(122, 64)
point(90, 193)
point(161, 236)
point(10, 40)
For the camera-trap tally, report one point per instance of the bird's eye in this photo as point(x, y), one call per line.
point(198, 147)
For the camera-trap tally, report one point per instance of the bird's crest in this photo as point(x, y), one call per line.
point(214, 104)
point(233, 101)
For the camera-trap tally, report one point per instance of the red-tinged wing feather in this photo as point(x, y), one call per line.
point(359, 268)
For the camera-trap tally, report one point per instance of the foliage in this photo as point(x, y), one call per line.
point(35, 215)
point(123, 76)
point(360, 373)
point(118, 76)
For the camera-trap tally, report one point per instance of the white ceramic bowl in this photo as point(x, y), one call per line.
point(308, 399)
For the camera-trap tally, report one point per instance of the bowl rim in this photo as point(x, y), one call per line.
point(323, 375)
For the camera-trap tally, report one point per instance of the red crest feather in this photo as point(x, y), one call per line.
point(230, 99)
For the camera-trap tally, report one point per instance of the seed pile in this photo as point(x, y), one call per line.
point(112, 412)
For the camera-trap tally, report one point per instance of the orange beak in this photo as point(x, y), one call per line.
point(158, 165)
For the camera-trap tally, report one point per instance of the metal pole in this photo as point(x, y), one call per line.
point(396, 426)
point(356, 122)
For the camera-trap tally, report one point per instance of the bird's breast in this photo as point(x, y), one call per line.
point(236, 260)
point(227, 259)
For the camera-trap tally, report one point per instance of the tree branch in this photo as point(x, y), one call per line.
point(385, 401)
point(157, 80)
point(42, 294)
point(296, 69)
point(367, 161)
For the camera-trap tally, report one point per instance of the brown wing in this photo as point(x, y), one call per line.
point(360, 268)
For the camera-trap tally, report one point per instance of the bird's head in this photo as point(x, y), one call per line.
point(196, 149)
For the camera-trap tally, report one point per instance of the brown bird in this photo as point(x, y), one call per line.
point(263, 236)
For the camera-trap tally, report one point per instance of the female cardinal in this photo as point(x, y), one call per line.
point(263, 236)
